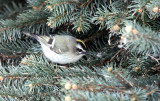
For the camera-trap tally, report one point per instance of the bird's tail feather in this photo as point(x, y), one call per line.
point(31, 35)
point(37, 37)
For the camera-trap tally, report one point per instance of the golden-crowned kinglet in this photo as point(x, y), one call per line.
point(60, 49)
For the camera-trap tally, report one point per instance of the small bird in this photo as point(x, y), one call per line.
point(62, 49)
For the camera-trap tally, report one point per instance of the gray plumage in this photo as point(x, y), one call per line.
point(61, 45)
point(60, 48)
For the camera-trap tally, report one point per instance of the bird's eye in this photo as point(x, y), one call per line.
point(79, 50)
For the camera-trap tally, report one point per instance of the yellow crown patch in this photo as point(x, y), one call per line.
point(78, 40)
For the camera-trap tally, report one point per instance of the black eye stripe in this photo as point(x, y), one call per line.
point(79, 50)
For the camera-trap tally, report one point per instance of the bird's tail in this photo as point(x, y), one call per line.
point(31, 35)
point(41, 39)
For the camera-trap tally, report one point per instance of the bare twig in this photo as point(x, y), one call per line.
point(152, 91)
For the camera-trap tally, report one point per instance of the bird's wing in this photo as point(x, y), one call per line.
point(63, 44)
point(59, 46)
point(41, 39)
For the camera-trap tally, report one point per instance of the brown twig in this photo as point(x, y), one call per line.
point(92, 9)
point(14, 96)
point(86, 3)
point(152, 91)
point(68, 2)
point(121, 79)
point(121, 96)
point(36, 8)
point(104, 88)
point(5, 57)
point(4, 29)
point(157, 60)
point(117, 54)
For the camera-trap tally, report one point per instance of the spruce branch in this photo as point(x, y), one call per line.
point(34, 78)
point(37, 8)
point(122, 79)
point(117, 54)
point(86, 3)
point(152, 91)
point(157, 60)
point(14, 56)
point(104, 88)
point(63, 3)
point(10, 12)
point(13, 96)
point(21, 26)
point(3, 29)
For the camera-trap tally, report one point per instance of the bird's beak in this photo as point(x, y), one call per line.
point(86, 53)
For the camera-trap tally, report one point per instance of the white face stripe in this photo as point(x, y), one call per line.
point(80, 47)
point(53, 42)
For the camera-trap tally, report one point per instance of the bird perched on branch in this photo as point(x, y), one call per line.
point(62, 49)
